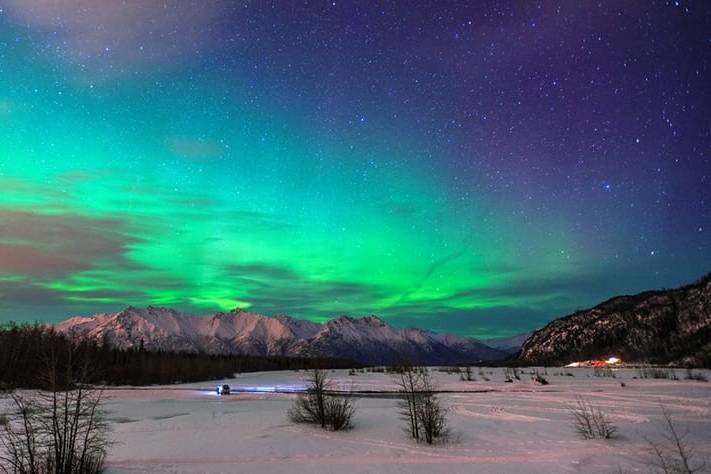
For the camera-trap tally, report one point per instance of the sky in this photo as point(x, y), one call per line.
point(478, 168)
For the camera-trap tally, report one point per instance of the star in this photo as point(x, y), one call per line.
point(301, 154)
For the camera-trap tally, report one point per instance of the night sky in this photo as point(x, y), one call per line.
point(479, 169)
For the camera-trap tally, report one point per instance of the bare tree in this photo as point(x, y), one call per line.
point(419, 406)
point(19, 443)
point(320, 407)
point(409, 382)
point(673, 455)
point(590, 422)
point(432, 416)
point(60, 429)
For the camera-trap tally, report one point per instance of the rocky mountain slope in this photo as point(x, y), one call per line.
point(369, 340)
point(666, 326)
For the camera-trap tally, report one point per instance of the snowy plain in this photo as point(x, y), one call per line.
point(498, 427)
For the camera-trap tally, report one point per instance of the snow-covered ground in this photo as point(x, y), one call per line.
point(502, 427)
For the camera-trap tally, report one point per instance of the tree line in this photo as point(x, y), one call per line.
point(24, 347)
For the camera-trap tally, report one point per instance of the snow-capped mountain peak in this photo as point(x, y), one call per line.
point(368, 339)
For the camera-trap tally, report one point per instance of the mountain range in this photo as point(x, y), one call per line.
point(367, 340)
point(661, 327)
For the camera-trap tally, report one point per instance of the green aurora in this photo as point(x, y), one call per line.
point(204, 187)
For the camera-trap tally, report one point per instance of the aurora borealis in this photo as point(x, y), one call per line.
point(478, 169)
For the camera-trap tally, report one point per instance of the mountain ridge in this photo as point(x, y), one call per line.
point(367, 339)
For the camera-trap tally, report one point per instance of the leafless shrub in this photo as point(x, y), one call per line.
point(483, 375)
point(604, 372)
point(467, 374)
point(319, 407)
point(590, 422)
point(339, 413)
point(305, 410)
point(511, 373)
point(656, 373)
point(537, 377)
point(394, 368)
point(450, 370)
point(698, 376)
point(673, 453)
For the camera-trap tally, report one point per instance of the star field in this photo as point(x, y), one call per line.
point(479, 169)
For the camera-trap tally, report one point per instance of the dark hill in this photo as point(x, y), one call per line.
point(660, 327)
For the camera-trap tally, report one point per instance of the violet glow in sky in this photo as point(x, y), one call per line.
point(478, 169)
